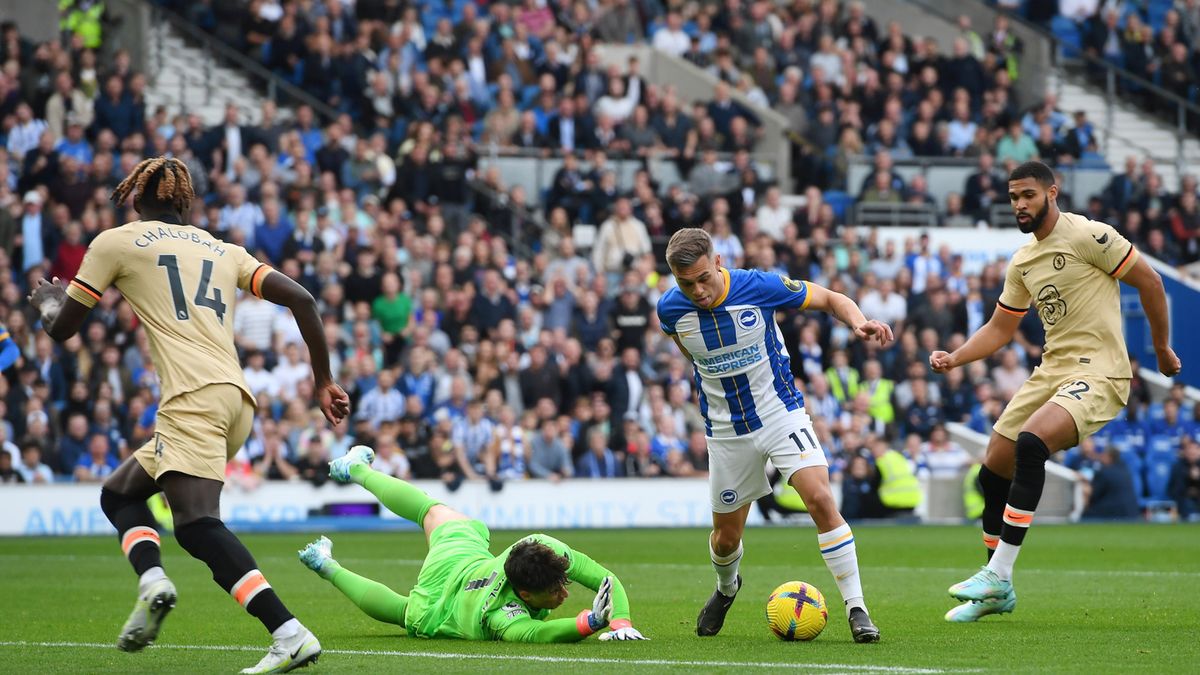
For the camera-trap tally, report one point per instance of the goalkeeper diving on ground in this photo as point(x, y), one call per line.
point(463, 591)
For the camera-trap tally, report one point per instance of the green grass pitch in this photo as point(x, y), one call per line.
point(1093, 598)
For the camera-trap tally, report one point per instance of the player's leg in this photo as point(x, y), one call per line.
point(995, 480)
point(836, 542)
point(1050, 429)
point(398, 496)
point(725, 552)
point(195, 507)
point(123, 500)
point(376, 600)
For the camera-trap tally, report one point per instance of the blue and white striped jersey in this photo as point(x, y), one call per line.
point(740, 365)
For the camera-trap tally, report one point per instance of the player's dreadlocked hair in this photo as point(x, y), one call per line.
point(161, 182)
point(533, 566)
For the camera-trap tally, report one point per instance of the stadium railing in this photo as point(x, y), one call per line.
point(693, 84)
point(895, 215)
point(949, 174)
point(218, 53)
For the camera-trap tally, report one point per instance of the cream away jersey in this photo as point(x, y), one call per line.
point(1071, 278)
point(182, 283)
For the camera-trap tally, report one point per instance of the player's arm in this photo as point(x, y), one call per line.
point(1150, 289)
point(592, 575)
point(993, 335)
point(9, 351)
point(682, 349)
point(842, 308)
point(64, 309)
point(528, 629)
point(282, 290)
point(1012, 306)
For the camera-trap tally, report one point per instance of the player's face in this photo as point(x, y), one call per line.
point(702, 282)
point(545, 599)
point(1030, 202)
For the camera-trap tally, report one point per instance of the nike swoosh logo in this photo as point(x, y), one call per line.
point(1102, 239)
point(1024, 272)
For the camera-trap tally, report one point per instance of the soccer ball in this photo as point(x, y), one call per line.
point(796, 611)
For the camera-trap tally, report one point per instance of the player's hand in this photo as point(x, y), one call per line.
point(941, 362)
point(623, 632)
point(46, 290)
point(1168, 363)
point(602, 606)
point(875, 330)
point(335, 403)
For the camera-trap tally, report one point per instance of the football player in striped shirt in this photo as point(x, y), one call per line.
point(724, 322)
point(1070, 272)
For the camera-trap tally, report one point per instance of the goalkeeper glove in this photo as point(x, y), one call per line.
point(623, 630)
point(601, 607)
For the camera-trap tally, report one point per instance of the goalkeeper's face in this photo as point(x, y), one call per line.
point(550, 599)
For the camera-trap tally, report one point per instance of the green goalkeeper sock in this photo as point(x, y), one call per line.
point(400, 497)
point(378, 601)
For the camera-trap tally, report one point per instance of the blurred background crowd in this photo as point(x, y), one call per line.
point(477, 340)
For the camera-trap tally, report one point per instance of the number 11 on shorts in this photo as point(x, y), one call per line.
point(796, 439)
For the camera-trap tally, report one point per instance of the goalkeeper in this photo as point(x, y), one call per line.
point(462, 590)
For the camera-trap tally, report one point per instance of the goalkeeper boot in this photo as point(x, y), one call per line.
point(339, 469)
point(984, 585)
point(318, 557)
point(861, 626)
point(289, 653)
point(153, 604)
point(977, 609)
point(712, 616)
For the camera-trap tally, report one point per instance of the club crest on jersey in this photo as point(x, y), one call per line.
point(1060, 261)
point(747, 318)
point(729, 497)
point(792, 285)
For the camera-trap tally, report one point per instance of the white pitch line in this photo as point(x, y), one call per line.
point(417, 562)
point(516, 657)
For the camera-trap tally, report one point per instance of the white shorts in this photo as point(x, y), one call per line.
point(737, 467)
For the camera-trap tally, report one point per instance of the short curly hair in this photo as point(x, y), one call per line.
point(534, 567)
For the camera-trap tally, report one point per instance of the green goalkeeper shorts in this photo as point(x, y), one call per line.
point(454, 547)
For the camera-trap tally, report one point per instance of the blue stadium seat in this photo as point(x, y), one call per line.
point(1068, 34)
point(1158, 477)
point(1137, 469)
point(839, 201)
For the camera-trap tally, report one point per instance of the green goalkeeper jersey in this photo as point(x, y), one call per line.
point(478, 603)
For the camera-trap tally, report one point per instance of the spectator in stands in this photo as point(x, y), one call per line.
point(31, 468)
point(97, 463)
point(8, 473)
point(622, 238)
point(548, 454)
point(941, 457)
point(1016, 146)
point(1109, 493)
point(1185, 481)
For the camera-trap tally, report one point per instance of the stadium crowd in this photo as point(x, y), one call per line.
point(472, 355)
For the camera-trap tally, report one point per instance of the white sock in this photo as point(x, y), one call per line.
point(841, 557)
point(287, 630)
point(727, 569)
point(1003, 560)
point(150, 576)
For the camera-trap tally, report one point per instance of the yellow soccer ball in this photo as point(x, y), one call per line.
point(796, 611)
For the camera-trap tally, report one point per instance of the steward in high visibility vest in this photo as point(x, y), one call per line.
point(972, 496)
point(82, 18)
point(898, 486)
